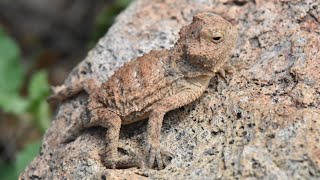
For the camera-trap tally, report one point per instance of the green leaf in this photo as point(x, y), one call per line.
point(26, 156)
point(13, 104)
point(42, 116)
point(123, 3)
point(11, 74)
point(38, 90)
point(39, 87)
point(8, 172)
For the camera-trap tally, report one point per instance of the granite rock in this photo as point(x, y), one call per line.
point(261, 121)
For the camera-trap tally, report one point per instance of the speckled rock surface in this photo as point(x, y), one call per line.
point(263, 121)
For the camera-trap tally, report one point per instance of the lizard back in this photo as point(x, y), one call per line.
point(139, 83)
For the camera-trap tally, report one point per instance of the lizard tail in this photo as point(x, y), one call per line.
point(63, 92)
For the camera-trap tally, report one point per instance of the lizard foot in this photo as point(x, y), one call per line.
point(226, 69)
point(123, 163)
point(157, 157)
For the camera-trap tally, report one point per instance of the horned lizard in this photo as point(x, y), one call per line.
point(157, 82)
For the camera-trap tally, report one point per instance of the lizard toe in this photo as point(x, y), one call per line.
point(159, 159)
point(150, 150)
point(154, 157)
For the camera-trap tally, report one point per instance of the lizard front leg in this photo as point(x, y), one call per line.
point(100, 116)
point(155, 122)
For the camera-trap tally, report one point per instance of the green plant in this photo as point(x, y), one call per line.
point(12, 171)
point(11, 78)
point(33, 105)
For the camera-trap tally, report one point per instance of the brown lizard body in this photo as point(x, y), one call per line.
point(158, 82)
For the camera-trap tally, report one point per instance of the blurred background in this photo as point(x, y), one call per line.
point(40, 42)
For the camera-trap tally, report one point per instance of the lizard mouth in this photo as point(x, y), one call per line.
point(202, 61)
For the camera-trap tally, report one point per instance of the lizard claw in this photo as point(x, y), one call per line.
point(123, 162)
point(154, 156)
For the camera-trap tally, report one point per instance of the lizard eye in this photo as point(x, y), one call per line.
point(217, 37)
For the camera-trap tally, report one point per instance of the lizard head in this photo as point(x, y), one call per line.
point(208, 40)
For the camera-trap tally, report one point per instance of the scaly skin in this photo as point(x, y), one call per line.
point(158, 82)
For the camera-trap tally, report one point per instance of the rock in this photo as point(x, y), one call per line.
point(263, 121)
